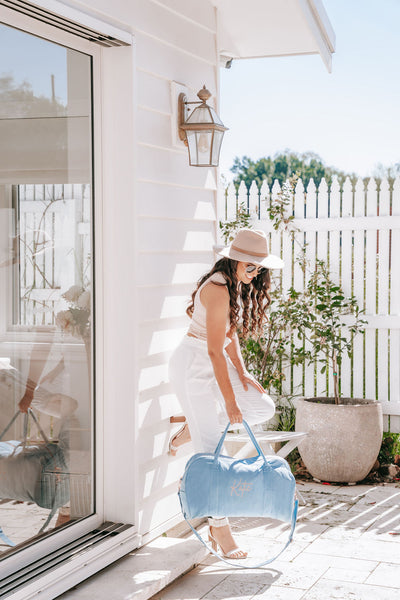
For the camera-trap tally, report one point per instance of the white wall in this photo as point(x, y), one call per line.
point(174, 229)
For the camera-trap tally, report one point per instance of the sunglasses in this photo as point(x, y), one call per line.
point(252, 268)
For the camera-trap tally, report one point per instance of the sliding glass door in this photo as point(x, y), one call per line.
point(46, 288)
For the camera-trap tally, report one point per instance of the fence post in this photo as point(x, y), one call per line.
point(275, 240)
point(346, 276)
point(264, 200)
point(370, 292)
point(221, 203)
point(254, 202)
point(395, 309)
point(383, 251)
point(243, 199)
point(298, 279)
point(231, 205)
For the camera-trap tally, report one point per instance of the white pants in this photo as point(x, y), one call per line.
point(192, 375)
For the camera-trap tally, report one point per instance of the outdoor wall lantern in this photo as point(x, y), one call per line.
point(202, 131)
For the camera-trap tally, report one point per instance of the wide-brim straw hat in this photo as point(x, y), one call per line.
point(251, 246)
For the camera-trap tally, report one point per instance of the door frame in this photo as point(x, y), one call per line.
point(111, 503)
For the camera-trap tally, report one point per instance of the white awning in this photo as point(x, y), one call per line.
point(259, 28)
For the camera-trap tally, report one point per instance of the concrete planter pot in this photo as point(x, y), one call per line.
point(343, 441)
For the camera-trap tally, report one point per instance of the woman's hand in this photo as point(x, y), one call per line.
point(234, 412)
point(25, 401)
point(247, 379)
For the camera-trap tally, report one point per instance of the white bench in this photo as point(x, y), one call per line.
point(265, 439)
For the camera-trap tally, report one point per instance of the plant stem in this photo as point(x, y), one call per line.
point(335, 377)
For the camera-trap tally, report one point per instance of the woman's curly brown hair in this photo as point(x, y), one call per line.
point(253, 298)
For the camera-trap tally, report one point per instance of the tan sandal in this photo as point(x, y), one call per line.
point(235, 553)
point(172, 449)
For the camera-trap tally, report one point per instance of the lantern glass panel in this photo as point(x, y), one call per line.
point(215, 118)
point(204, 114)
point(191, 140)
point(199, 144)
point(216, 148)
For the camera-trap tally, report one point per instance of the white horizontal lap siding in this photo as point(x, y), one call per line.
point(159, 199)
point(169, 235)
point(171, 304)
point(165, 166)
point(175, 41)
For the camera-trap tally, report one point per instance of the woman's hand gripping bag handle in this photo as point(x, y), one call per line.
point(221, 486)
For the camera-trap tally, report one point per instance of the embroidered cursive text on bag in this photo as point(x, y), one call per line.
point(240, 487)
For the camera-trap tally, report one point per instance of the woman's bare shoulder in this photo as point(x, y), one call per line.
point(213, 291)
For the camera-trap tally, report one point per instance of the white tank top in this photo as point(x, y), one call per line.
point(198, 324)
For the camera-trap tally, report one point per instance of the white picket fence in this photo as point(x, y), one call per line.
point(357, 231)
point(54, 248)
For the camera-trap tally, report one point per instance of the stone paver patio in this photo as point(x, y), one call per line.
point(346, 547)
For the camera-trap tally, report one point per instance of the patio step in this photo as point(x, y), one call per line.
point(143, 572)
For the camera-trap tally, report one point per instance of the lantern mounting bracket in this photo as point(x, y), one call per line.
point(183, 109)
point(203, 127)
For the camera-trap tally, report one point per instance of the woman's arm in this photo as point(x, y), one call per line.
point(235, 354)
point(215, 298)
point(37, 362)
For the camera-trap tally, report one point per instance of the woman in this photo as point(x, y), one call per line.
point(207, 369)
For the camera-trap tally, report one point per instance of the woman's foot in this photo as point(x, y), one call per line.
point(63, 517)
point(222, 537)
point(179, 438)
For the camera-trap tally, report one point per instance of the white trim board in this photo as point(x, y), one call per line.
point(72, 20)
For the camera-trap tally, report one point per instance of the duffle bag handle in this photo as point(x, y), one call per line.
point(28, 414)
point(7, 427)
point(251, 436)
point(31, 414)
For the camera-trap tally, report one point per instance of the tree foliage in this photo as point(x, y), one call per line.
point(389, 172)
point(20, 100)
point(282, 166)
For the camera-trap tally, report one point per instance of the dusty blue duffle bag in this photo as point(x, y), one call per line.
point(216, 485)
point(33, 472)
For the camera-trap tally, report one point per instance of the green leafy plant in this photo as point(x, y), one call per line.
point(321, 305)
point(267, 356)
point(323, 325)
point(279, 210)
point(314, 314)
point(285, 413)
point(229, 228)
point(390, 448)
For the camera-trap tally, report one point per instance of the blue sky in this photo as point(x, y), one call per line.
point(349, 117)
point(31, 61)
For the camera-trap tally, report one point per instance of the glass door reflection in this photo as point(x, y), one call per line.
point(46, 287)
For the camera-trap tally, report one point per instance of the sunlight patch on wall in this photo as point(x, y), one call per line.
point(152, 376)
point(167, 340)
point(158, 408)
point(189, 272)
point(174, 306)
point(205, 210)
point(198, 240)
